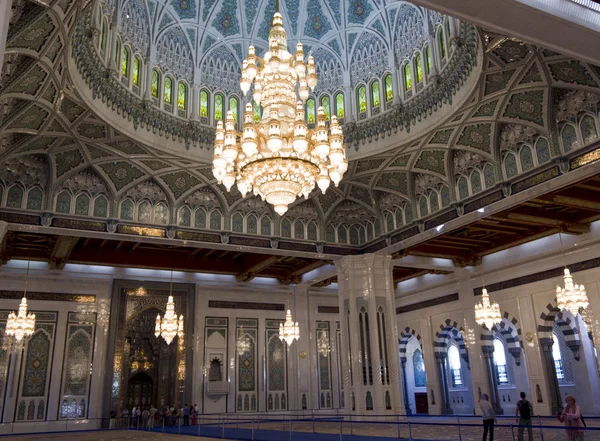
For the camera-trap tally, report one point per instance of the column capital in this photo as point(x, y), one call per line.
point(364, 261)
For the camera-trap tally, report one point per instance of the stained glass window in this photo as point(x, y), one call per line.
point(326, 108)
point(257, 110)
point(168, 90)
point(455, 368)
point(389, 89)
point(419, 369)
point(181, 96)
point(118, 53)
point(103, 37)
point(218, 107)
point(200, 218)
point(448, 28)
point(233, 106)
point(125, 62)
point(155, 81)
point(135, 74)
point(339, 105)
point(15, 198)
point(362, 99)
point(419, 67)
point(428, 60)
point(557, 356)
point(375, 94)
point(204, 103)
point(500, 362)
point(407, 78)
point(310, 111)
point(588, 129)
point(442, 44)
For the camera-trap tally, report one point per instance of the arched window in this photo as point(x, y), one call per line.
point(542, 150)
point(427, 60)
point(155, 83)
point(35, 196)
point(103, 36)
point(63, 202)
point(135, 72)
point(500, 362)
point(475, 181)
point(144, 213)
point(488, 176)
point(447, 23)
point(200, 218)
point(101, 207)
point(311, 115)
point(168, 96)
point(82, 205)
point(434, 201)
point(455, 367)
point(126, 210)
point(342, 234)
point(441, 44)
point(330, 233)
point(526, 158)
point(125, 61)
point(215, 220)
point(181, 96)
point(326, 107)
point(569, 138)
point(557, 356)
point(588, 129)
point(419, 68)
point(237, 223)
point(185, 218)
point(375, 96)
point(463, 188)
point(218, 107)
point(407, 78)
point(118, 53)
point(251, 224)
point(204, 104)
point(389, 90)
point(257, 111)
point(161, 214)
point(419, 369)
point(234, 107)
point(339, 105)
point(286, 228)
point(362, 99)
point(312, 231)
point(265, 226)
point(298, 229)
point(510, 166)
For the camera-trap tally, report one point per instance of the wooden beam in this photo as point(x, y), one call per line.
point(577, 202)
point(308, 267)
point(255, 266)
point(61, 251)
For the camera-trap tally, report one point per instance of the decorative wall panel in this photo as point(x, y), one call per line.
point(324, 365)
point(247, 365)
point(276, 367)
point(77, 372)
point(4, 358)
point(215, 360)
point(36, 369)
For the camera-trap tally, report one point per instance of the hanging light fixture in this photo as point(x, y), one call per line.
point(323, 344)
point(572, 297)
point(169, 326)
point(243, 345)
point(279, 158)
point(22, 324)
point(289, 331)
point(487, 313)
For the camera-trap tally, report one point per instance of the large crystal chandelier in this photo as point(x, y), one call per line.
point(279, 158)
point(169, 326)
point(289, 331)
point(487, 313)
point(22, 324)
point(572, 297)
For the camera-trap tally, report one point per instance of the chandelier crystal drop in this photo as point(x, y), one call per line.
point(22, 324)
point(572, 297)
point(487, 313)
point(323, 344)
point(278, 157)
point(289, 331)
point(169, 326)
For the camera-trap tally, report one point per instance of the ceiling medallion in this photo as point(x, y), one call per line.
point(487, 313)
point(169, 326)
point(279, 158)
point(22, 324)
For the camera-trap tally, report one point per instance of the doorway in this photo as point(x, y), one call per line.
point(421, 403)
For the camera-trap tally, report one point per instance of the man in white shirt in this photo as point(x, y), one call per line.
point(488, 415)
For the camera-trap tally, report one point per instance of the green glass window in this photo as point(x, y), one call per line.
point(362, 99)
point(310, 111)
point(181, 96)
point(168, 90)
point(204, 103)
point(118, 53)
point(135, 74)
point(339, 105)
point(218, 107)
point(407, 77)
point(448, 29)
point(257, 110)
point(326, 108)
point(389, 90)
point(233, 106)
point(376, 99)
point(428, 60)
point(155, 81)
point(103, 36)
point(125, 62)
point(419, 67)
point(442, 44)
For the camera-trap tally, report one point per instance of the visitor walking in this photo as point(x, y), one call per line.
point(571, 416)
point(524, 413)
point(488, 416)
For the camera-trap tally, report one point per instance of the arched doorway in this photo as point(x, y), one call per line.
point(414, 378)
point(140, 390)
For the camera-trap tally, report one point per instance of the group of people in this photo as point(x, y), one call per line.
point(150, 416)
point(570, 415)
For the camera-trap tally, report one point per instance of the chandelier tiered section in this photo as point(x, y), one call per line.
point(572, 297)
point(289, 331)
point(22, 324)
point(487, 313)
point(278, 157)
point(169, 326)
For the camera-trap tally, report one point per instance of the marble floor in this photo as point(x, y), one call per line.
point(112, 435)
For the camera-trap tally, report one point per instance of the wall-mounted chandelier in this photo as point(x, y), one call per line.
point(279, 158)
point(323, 344)
point(169, 326)
point(22, 324)
point(289, 331)
point(572, 297)
point(487, 313)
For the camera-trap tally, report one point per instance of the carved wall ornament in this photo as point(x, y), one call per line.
point(572, 102)
point(203, 198)
point(147, 190)
point(85, 181)
point(514, 134)
point(425, 181)
point(466, 160)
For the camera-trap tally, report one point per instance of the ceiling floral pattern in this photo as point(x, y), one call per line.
point(537, 113)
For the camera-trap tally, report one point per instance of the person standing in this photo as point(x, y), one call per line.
point(186, 415)
point(152, 416)
point(145, 415)
point(112, 415)
point(488, 416)
point(524, 413)
point(124, 418)
point(193, 411)
point(571, 416)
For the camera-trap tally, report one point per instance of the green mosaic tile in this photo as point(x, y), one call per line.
point(180, 182)
point(497, 81)
point(432, 160)
point(128, 147)
point(512, 51)
point(368, 164)
point(572, 72)
point(121, 173)
point(33, 36)
point(477, 136)
point(442, 136)
point(532, 75)
point(362, 194)
point(526, 106)
point(156, 165)
point(394, 181)
point(32, 118)
point(486, 109)
point(97, 153)
point(90, 130)
point(401, 161)
point(66, 161)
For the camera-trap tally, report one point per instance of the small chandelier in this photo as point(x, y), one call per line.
point(243, 345)
point(289, 331)
point(323, 344)
point(169, 326)
point(572, 297)
point(22, 324)
point(487, 313)
point(279, 158)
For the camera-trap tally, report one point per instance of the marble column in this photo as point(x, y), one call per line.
point(552, 380)
point(488, 353)
point(443, 372)
point(405, 389)
point(370, 359)
point(5, 8)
